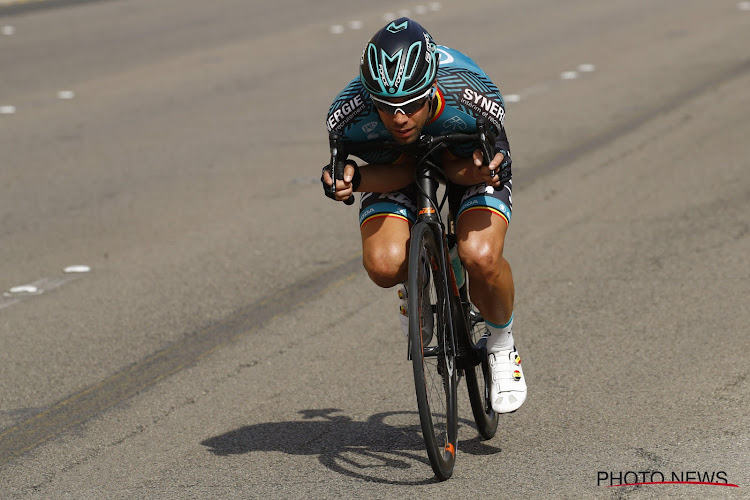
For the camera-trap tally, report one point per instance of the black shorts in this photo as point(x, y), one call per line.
point(461, 199)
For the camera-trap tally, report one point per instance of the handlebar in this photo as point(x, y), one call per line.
point(424, 146)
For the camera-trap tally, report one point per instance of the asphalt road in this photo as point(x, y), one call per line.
point(226, 342)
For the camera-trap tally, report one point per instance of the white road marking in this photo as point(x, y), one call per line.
point(569, 75)
point(7, 110)
point(337, 29)
point(743, 5)
point(66, 94)
point(8, 30)
point(22, 289)
point(77, 269)
point(586, 68)
point(355, 25)
point(21, 293)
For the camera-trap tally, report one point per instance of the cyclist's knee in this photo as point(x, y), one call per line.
point(482, 259)
point(386, 264)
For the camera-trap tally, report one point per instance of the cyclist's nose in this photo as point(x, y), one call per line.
point(400, 118)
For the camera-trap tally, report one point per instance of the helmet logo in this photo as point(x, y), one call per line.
point(393, 28)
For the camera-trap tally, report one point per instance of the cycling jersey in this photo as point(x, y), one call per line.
point(464, 93)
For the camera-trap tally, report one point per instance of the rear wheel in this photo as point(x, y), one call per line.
point(433, 356)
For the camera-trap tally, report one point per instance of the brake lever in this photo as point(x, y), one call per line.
point(337, 163)
point(484, 134)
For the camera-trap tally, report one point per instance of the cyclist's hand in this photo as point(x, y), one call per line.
point(344, 187)
point(486, 171)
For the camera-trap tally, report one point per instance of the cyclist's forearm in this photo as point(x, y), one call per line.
point(461, 171)
point(385, 178)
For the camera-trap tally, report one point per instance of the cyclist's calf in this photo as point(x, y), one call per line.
point(481, 238)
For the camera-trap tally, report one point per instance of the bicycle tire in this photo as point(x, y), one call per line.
point(477, 383)
point(433, 355)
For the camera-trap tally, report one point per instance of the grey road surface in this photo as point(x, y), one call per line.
point(226, 342)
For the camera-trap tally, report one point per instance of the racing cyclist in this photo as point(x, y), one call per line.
point(408, 85)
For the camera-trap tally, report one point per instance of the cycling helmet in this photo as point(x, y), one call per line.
point(400, 60)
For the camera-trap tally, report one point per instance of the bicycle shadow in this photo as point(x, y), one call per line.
point(373, 450)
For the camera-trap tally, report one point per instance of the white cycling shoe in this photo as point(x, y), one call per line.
point(508, 387)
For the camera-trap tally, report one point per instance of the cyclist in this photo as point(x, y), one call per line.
point(408, 85)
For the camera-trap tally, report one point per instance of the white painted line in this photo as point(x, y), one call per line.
point(389, 16)
point(77, 269)
point(512, 98)
point(404, 13)
point(355, 25)
point(435, 6)
point(66, 94)
point(7, 110)
point(337, 29)
point(744, 6)
point(8, 30)
point(586, 68)
point(24, 292)
point(569, 75)
point(420, 9)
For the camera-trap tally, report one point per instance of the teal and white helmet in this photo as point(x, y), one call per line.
point(400, 60)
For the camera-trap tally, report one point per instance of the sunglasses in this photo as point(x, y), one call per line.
point(408, 107)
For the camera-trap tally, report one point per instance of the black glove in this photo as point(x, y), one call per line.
point(356, 178)
point(502, 146)
point(504, 172)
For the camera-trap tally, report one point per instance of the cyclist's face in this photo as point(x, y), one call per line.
point(405, 128)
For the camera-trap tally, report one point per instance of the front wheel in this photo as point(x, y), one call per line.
point(432, 350)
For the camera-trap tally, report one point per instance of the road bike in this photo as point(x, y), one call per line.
point(446, 333)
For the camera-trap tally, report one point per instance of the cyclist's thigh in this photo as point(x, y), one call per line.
point(385, 221)
point(482, 216)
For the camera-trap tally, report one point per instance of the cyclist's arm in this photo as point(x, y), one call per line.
point(377, 178)
point(466, 172)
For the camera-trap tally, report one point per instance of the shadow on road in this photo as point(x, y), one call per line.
point(380, 449)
